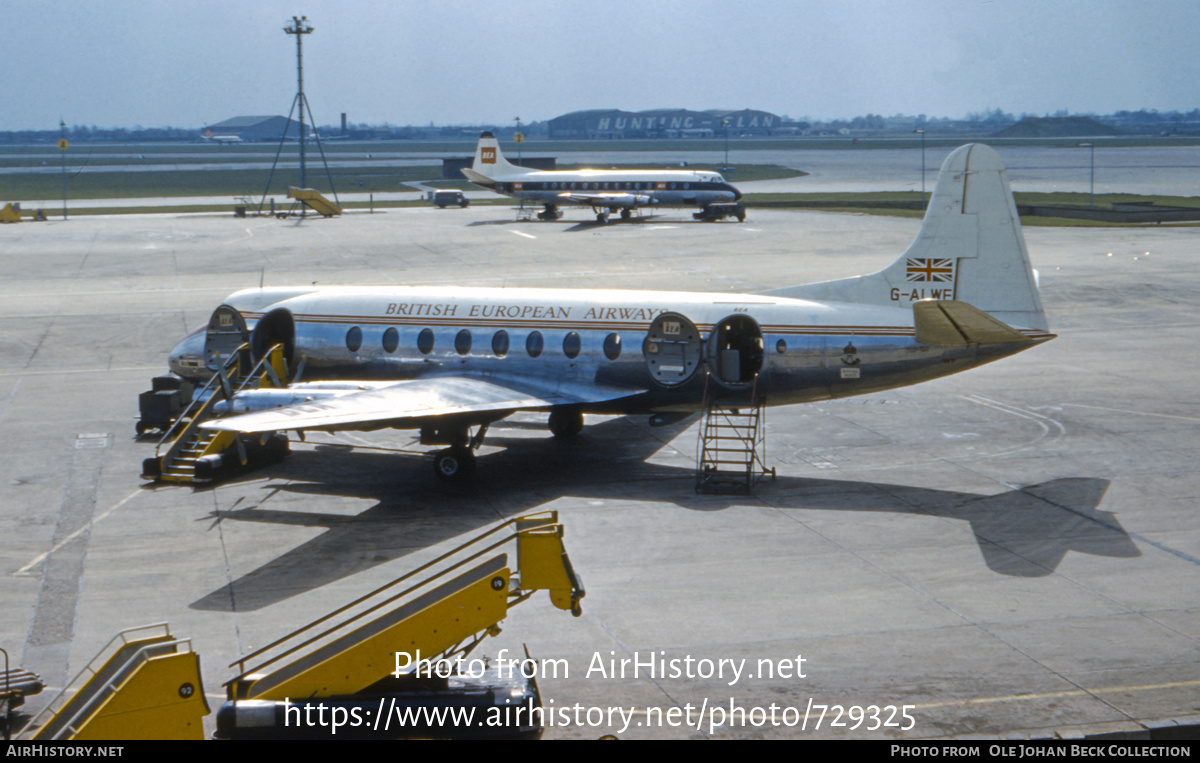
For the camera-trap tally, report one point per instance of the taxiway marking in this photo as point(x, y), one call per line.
point(86, 526)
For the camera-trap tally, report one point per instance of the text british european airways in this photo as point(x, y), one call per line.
point(519, 312)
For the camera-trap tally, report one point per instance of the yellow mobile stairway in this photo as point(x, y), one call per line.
point(144, 684)
point(391, 664)
point(190, 454)
point(315, 201)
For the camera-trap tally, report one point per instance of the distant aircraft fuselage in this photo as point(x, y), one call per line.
point(605, 191)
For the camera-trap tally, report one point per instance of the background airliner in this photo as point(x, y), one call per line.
point(449, 361)
point(605, 191)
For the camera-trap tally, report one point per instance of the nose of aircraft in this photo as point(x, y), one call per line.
point(737, 195)
point(187, 358)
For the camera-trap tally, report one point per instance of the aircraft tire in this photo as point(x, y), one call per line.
point(565, 423)
point(602, 218)
point(454, 464)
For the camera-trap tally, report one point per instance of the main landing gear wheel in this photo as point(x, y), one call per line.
point(602, 218)
point(565, 423)
point(626, 214)
point(454, 464)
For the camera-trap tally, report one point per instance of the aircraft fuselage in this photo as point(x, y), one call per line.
point(659, 343)
point(621, 189)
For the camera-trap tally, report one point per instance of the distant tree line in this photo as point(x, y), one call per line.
point(1144, 122)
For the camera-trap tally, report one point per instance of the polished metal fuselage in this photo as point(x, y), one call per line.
point(580, 341)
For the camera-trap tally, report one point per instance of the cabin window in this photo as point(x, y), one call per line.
point(462, 342)
point(612, 346)
point(781, 347)
point(391, 339)
point(425, 341)
point(500, 343)
point(687, 186)
point(534, 344)
point(572, 345)
point(354, 339)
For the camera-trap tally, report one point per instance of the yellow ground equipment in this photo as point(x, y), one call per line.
point(394, 662)
point(11, 213)
point(391, 664)
point(190, 454)
point(144, 684)
point(314, 201)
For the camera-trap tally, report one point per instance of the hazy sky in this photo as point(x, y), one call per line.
point(159, 63)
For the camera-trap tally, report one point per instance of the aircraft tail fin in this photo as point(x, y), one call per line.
point(490, 162)
point(970, 249)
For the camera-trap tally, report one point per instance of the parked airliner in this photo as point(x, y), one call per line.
point(605, 191)
point(449, 361)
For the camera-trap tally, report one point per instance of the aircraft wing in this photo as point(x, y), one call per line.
point(403, 403)
point(608, 199)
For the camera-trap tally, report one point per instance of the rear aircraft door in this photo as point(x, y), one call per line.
point(673, 349)
point(736, 346)
point(226, 332)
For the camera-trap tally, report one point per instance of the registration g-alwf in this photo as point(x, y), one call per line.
point(448, 361)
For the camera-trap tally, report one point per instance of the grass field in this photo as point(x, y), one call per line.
point(96, 172)
point(135, 184)
point(908, 204)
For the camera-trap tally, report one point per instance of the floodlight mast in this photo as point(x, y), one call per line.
point(300, 27)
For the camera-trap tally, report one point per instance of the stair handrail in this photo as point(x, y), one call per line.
point(218, 382)
point(74, 683)
point(541, 521)
point(113, 685)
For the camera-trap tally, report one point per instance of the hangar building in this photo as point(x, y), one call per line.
point(614, 124)
point(258, 128)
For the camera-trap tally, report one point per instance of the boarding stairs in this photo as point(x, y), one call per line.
point(732, 443)
point(143, 684)
point(146, 683)
point(313, 199)
point(351, 655)
point(528, 210)
point(192, 455)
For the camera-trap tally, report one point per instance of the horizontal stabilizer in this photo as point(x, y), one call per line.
point(478, 178)
point(948, 323)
